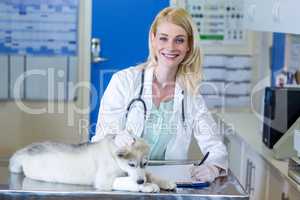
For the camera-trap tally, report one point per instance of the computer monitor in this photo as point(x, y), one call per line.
point(281, 110)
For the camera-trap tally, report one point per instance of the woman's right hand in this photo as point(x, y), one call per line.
point(205, 173)
point(124, 139)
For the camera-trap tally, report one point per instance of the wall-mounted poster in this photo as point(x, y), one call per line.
point(38, 27)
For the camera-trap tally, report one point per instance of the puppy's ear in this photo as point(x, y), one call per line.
point(122, 152)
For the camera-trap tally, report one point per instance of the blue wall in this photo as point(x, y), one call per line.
point(277, 54)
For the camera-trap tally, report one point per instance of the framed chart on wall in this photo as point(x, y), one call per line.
point(39, 27)
point(220, 25)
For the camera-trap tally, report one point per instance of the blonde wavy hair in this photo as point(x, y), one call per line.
point(189, 72)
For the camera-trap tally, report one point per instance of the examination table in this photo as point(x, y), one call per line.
point(16, 186)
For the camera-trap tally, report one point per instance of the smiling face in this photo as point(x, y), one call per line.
point(170, 44)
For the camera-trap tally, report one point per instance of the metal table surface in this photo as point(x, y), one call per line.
point(16, 186)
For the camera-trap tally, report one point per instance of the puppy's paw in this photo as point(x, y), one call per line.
point(103, 187)
point(167, 185)
point(149, 187)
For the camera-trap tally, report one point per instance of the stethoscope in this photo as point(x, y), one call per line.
point(139, 99)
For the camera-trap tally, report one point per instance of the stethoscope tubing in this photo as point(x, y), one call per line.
point(139, 99)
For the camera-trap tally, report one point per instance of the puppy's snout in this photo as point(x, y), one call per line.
point(140, 181)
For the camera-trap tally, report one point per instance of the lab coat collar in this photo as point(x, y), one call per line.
point(147, 94)
point(178, 96)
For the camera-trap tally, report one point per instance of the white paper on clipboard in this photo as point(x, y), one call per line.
point(177, 173)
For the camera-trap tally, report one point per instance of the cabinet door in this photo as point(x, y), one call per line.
point(272, 15)
point(258, 15)
point(276, 186)
point(293, 193)
point(234, 148)
point(254, 174)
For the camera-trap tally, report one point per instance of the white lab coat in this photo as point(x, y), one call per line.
point(125, 85)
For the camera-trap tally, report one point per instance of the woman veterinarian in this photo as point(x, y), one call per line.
point(159, 100)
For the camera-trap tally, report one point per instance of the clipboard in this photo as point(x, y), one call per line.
point(179, 162)
point(179, 173)
point(193, 185)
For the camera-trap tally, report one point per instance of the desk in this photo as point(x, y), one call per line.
point(16, 186)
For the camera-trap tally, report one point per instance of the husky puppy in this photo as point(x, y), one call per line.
point(100, 164)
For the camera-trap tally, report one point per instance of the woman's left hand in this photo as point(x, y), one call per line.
point(205, 173)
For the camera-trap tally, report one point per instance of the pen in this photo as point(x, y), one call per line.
point(202, 160)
